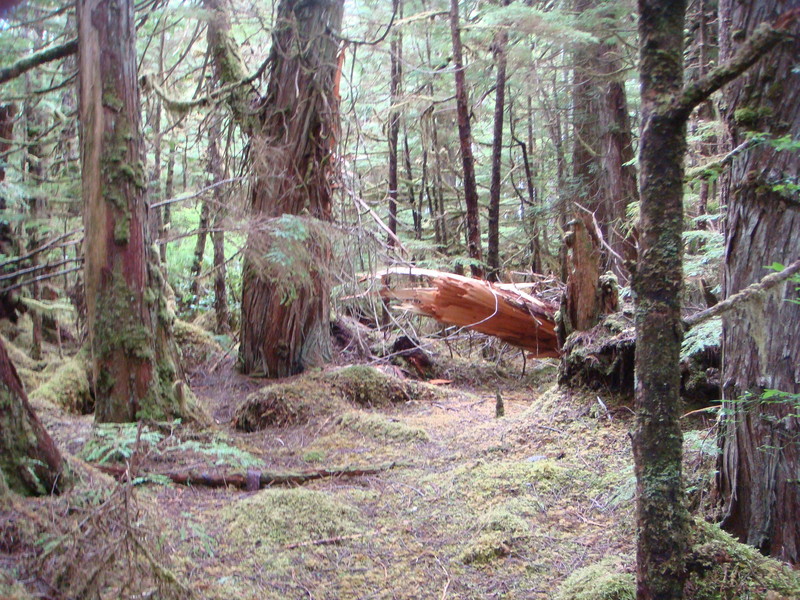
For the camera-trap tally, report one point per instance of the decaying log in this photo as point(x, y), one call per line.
point(253, 480)
point(497, 310)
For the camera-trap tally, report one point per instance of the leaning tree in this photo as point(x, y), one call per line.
point(758, 475)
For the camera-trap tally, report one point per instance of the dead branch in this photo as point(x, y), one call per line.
point(252, 480)
point(744, 295)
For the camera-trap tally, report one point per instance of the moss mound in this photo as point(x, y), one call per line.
point(367, 386)
point(324, 393)
point(68, 387)
point(274, 405)
point(382, 428)
point(721, 568)
point(501, 528)
point(197, 345)
point(600, 581)
point(290, 516)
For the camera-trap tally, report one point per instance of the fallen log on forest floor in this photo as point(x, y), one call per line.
point(498, 310)
point(251, 481)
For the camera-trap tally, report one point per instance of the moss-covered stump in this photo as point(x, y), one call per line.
point(197, 345)
point(274, 405)
point(68, 387)
point(324, 393)
point(602, 357)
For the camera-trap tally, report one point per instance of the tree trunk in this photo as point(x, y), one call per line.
point(215, 167)
point(493, 248)
point(395, 55)
point(199, 249)
point(30, 463)
point(758, 469)
point(662, 518)
point(285, 290)
point(465, 143)
point(133, 353)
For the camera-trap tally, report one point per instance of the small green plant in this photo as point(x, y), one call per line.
point(115, 442)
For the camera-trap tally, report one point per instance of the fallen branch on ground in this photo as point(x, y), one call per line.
point(252, 480)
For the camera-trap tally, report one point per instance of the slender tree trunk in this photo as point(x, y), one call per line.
point(135, 371)
point(215, 167)
point(758, 470)
point(416, 209)
point(465, 143)
point(30, 463)
point(395, 55)
point(662, 519)
point(166, 215)
point(493, 248)
point(200, 246)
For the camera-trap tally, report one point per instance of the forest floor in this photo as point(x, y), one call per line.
point(458, 503)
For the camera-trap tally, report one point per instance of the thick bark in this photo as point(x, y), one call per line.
point(134, 356)
point(293, 140)
point(761, 456)
point(662, 518)
point(30, 463)
point(493, 244)
point(465, 144)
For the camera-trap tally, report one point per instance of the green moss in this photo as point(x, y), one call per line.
point(367, 386)
point(68, 387)
point(721, 568)
point(196, 344)
point(118, 325)
point(274, 405)
point(749, 117)
point(600, 581)
point(486, 548)
point(263, 523)
point(382, 428)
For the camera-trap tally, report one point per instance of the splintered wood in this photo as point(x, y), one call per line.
point(494, 309)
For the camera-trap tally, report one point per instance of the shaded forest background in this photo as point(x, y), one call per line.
point(504, 140)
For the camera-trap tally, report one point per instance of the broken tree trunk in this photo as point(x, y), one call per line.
point(494, 309)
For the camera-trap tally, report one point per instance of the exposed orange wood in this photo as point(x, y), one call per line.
point(508, 314)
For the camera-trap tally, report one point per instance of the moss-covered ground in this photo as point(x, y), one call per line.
point(475, 507)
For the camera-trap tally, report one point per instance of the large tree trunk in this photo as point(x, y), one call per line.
point(285, 313)
point(761, 456)
point(30, 463)
point(133, 352)
point(662, 519)
point(465, 143)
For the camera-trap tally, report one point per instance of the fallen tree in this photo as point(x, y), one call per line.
point(499, 310)
point(251, 481)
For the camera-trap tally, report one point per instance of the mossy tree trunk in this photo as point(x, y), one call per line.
point(285, 303)
point(30, 463)
point(133, 353)
point(758, 474)
point(662, 519)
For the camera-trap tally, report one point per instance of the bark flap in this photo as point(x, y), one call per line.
point(498, 310)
